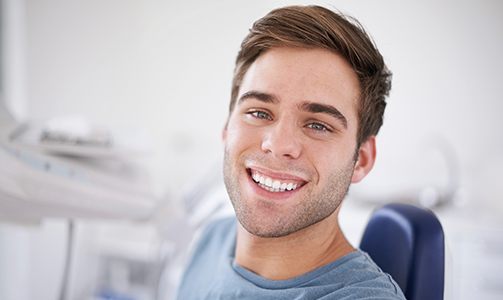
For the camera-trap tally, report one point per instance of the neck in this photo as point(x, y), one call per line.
point(293, 255)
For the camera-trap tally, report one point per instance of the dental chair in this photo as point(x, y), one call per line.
point(407, 242)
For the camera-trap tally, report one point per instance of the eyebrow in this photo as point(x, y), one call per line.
point(264, 97)
point(314, 107)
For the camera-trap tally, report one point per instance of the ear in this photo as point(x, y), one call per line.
point(366, 159)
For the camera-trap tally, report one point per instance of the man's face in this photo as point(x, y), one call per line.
point(290, 141)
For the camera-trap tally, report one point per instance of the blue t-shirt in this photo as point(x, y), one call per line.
point(213, 274)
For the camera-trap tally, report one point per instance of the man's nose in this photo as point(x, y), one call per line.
point(282, 140)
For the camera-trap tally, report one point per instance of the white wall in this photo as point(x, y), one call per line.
point(166, 66)
point(13, 71)
point(31, 260)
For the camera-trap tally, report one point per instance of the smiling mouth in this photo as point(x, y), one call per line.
point(274, 185)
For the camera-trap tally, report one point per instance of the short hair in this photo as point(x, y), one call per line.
point(318, 27)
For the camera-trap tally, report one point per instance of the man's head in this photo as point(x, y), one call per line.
point(307, 99)
point(318, 27)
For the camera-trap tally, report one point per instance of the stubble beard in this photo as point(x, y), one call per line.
point(309, 210)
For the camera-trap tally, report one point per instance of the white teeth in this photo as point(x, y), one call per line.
point(276, 184)
point(273, 185)
point(256, 177)
point(268, 182)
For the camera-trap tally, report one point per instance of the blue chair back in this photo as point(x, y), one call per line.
point(407, 242)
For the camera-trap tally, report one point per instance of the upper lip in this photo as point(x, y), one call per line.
point(278, 174)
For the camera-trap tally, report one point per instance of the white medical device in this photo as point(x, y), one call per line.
point(35, 183)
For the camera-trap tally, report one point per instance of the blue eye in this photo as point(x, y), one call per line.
point(318, 127)
point(260, 115)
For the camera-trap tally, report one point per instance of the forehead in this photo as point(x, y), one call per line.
point(299, 74)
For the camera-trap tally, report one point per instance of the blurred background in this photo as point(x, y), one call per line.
point(112, 111)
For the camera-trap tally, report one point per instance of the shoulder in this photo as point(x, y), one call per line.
point(363, 279)
point(217, 232)
point(210, 259)
point(216, 236)
point(221, 225)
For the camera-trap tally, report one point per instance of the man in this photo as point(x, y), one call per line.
point(307, 100)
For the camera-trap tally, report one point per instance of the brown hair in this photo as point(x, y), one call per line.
point(318, 27)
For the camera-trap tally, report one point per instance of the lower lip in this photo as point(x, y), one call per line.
point(270, 195)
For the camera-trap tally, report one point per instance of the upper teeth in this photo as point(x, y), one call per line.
point(273, 185)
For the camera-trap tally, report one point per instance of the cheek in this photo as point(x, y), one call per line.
point(331, 158)
point(240, 136)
